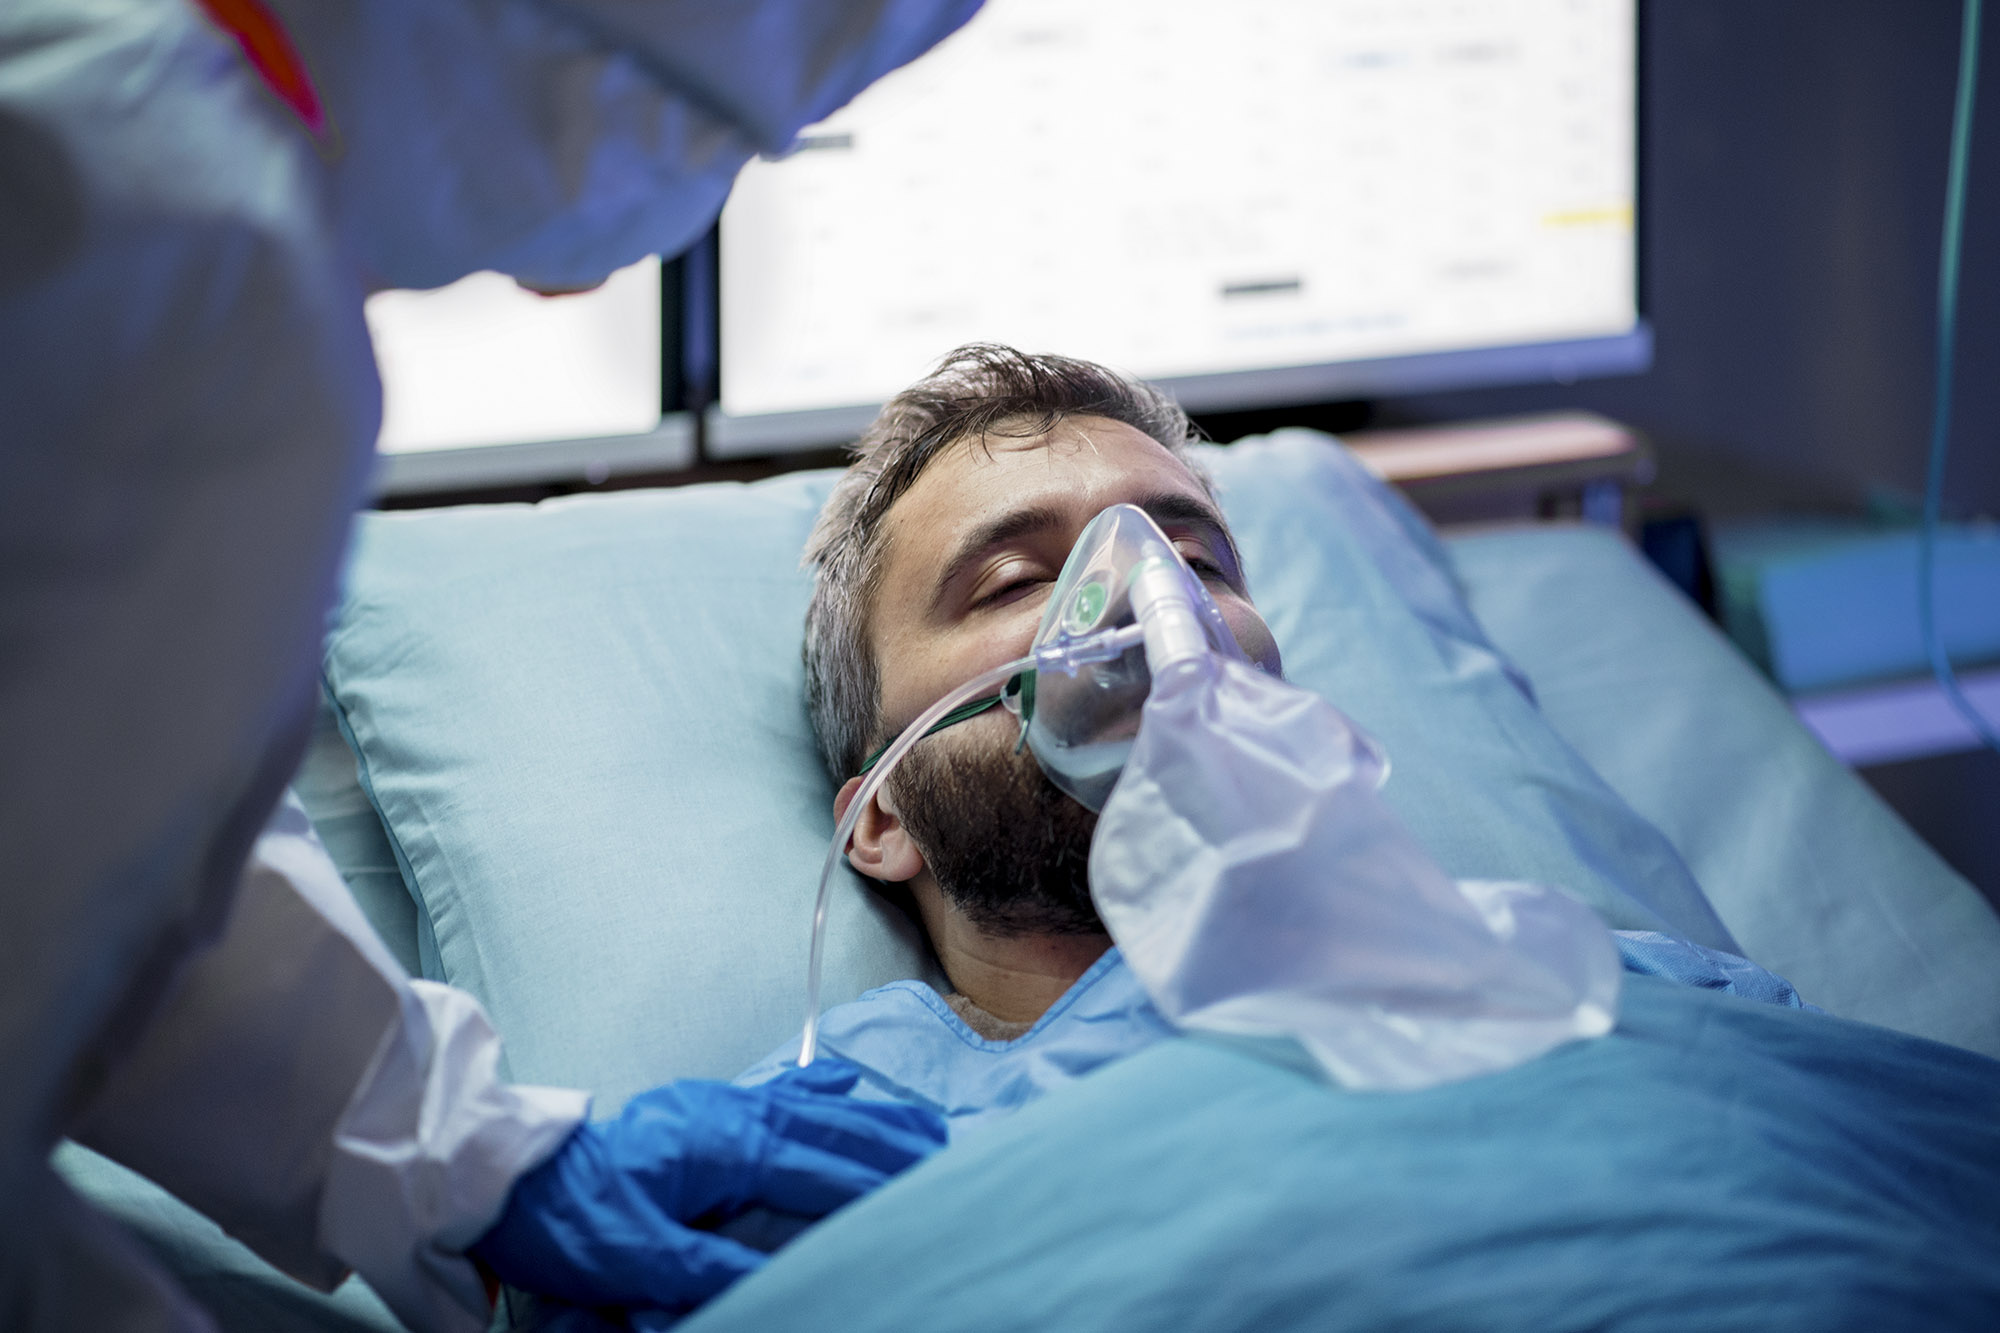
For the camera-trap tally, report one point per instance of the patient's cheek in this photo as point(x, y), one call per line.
point(1253, 636)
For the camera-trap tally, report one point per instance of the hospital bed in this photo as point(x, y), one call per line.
point(564, 762)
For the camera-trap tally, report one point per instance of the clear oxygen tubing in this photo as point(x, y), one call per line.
point(1947, 349)
point(1064, 656)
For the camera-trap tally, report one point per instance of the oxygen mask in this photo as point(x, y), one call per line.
point(1125, 607)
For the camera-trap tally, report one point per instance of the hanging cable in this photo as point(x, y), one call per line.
point(1947, 351)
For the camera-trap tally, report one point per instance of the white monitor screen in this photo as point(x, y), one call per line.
point(483, 362)
point(1188, 188)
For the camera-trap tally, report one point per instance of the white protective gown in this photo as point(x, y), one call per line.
point(188, 405)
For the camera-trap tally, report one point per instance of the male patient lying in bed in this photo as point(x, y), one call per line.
point(934, 556)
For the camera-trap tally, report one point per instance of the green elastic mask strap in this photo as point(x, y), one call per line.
point(1021, 684)
point(1021, 688)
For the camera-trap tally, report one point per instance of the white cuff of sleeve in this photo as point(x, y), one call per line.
point(425, 1154)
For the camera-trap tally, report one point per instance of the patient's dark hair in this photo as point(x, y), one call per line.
point(978, 392)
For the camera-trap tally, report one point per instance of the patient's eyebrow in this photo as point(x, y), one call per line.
point(1191, 511)
point(1170, 507)
point(997, 531)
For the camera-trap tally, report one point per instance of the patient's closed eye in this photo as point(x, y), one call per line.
point(1011, 583)
point(1200, 559)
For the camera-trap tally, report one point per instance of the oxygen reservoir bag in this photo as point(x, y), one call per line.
point(1251, 874)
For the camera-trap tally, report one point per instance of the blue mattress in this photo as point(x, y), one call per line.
point(1818, 880)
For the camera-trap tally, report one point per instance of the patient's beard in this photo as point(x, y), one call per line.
point(1009, 849)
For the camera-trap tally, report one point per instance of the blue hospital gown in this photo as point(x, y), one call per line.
point(912, 1047)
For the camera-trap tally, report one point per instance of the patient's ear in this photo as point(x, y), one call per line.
point(882, 847)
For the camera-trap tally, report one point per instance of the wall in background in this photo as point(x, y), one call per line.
point(1795, 169)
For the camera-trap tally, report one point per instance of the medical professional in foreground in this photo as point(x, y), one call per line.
point(194, 199)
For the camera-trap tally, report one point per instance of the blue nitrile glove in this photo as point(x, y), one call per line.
point(613, 1218)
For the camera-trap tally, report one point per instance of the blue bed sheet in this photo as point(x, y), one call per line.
point(1714, 1163)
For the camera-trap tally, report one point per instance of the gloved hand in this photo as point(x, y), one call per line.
point(615, 1217)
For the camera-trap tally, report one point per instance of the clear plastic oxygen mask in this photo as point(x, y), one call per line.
point(1125, 607)
point(1124, 584)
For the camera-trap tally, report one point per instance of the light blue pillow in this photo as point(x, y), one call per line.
point(328, 783)
point(583, 725)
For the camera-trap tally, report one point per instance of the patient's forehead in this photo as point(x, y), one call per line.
point(1083, 463)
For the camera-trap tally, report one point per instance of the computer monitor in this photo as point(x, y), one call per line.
point(1256, 202)
point(485, 384)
